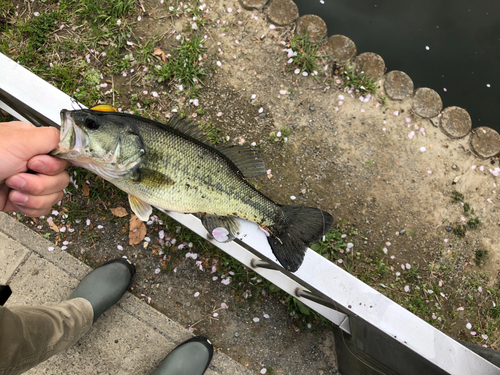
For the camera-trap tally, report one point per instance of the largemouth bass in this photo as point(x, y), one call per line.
point(172, 167)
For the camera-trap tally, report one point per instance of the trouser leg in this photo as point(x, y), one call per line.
point(29, 335)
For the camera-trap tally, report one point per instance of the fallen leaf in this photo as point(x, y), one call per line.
point(85, 189)
point(137, 230)
point(119, 211)
point(53, 226)
point(159, 52)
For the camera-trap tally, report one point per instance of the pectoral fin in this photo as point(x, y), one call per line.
point(222, 228)
point(142, 209)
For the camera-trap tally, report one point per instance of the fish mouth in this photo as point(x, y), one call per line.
point(72, 140)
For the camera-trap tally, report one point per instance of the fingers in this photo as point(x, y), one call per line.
point(49, 135)
point(38, 184)
point(47, 165)
point(25, 141)
point(32, 205)
point(18, 124)
point(34, 194)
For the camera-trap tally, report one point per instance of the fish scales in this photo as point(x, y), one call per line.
point(202, 180)
point(170, 166)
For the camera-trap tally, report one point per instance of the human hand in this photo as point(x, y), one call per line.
point(24, 147)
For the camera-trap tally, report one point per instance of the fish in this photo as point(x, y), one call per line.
point(173, 167)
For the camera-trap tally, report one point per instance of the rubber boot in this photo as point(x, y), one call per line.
point(105, 285)
point(192, 357)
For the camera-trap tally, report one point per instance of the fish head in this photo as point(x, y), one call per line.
point(98, 141)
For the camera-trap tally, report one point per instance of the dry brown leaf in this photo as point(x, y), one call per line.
point(85, 189)
point(119, 211)
point(159, 52)
point(53, 226)
point(137, 230)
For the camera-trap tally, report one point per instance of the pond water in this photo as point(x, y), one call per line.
point(451, 46)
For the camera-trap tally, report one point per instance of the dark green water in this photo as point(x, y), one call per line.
point(462, 62)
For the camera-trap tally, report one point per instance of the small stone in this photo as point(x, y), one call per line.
point(485, 142)
point(455, 122)
point(370, 64)
point(253, 4)
point(262, 115)
point(311, 108)
point(398, 85)
point(236, 334)
point(401, 232)
point(341, 48)
point(313, 26)
point(282, 12)
point(449, 229)
point(427, 102)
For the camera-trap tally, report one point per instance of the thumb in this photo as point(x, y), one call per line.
point(40, 141)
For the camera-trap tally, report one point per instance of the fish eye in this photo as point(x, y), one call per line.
point(91, 123)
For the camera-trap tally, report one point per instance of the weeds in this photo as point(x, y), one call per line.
point(280, 136)
point(461, 230)
point(303, 313)
point(184, 68)
point(360, 83)
point(37, 31)
point(331, 246)
point(303, 55)
point(98, 13)
point(480, 257)
point(212, 132)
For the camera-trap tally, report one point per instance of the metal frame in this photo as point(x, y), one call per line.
point(318, 283)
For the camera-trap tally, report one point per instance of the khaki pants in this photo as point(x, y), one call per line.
point(29, 335)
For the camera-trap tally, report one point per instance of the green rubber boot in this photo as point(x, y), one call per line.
point(192, 357)
point(105, 285)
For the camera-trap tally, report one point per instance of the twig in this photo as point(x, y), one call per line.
point(113, 89)
point(142, 6)
point(208, 316)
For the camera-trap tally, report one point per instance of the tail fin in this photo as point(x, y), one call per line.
point(300, 227)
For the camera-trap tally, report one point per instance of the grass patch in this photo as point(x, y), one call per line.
point(333, 245)
point(360, 83)
point(304, 55)
point(183, 68)
point(280, 136)
point(461, 229)
point(212, 132)
point(480, 257)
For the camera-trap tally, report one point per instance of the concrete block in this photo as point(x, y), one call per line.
point(12, 255)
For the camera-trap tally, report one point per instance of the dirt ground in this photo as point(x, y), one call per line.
point(379, 169)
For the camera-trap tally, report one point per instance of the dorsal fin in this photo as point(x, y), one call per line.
point(185, 126)
point(248, 161)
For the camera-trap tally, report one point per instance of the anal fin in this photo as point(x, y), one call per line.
point(222, 228)
point(142, 209)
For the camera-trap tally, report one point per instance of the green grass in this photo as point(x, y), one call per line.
point(331, 246)
point(304, 55)
point(280, 136)
point(98, 13)
point(193, 10)
point(212, 132)
point(360, 83)
point(183, 69)
point(460, 230)
point(480, 257)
